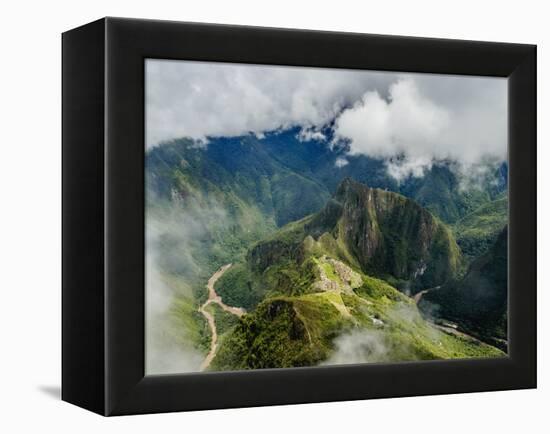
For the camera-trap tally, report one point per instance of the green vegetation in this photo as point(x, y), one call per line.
point(190, 325)
point(239, 168)
point(364, 227)
point(287, 179)
point(438, 193)
point(225, 321)
point(450, 196)
point(282, 332)
point(477, 231)
point(181, 324)
point(237, 287)
point(319, 263)
point(315, 297)
point(478, 302)
point(377, 289)
point(306, 330)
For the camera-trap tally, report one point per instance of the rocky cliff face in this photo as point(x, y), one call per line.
point(385, 233)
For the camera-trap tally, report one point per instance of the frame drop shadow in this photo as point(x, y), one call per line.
point(51, 391)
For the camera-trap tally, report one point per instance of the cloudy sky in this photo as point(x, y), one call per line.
point(420, 117)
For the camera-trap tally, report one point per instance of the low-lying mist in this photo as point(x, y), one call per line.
point(177, 238)
point(392, 341)
point(359, 346)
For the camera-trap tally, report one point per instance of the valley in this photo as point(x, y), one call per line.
point(215, 298)
point(292, 261)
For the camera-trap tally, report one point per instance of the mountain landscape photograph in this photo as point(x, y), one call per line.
point(302, 217)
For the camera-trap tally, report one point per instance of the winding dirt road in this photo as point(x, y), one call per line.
point(213, 297)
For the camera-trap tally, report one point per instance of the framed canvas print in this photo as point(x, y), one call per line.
point(258, 216)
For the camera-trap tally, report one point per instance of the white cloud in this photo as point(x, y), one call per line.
point(308, 134)
point(408, 119)
point(174, 236)
point(401, 168)
point(199, 99)
point(401, 125)
point(166, 353)
point(359, 346)
point(341, 162)
point(420, 128)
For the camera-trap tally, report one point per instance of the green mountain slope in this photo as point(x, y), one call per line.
point(315, 309)
point(289, 179)
point(440, 192)
point(239, 167)
point(476, 232)
point(308, 288)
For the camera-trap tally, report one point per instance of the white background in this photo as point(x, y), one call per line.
point(30, 213)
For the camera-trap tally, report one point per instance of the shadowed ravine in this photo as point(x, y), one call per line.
point(213, 297)
point(445, 326)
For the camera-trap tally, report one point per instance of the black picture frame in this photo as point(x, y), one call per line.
point(103, 215)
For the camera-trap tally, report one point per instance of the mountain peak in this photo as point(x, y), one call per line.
point(349, 185)
point(383, 232)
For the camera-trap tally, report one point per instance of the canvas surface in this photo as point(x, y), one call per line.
point(307, 216)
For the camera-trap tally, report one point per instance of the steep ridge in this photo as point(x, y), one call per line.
point(318, 290)
point(384, 233)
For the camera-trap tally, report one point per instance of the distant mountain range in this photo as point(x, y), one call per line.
point(289, 178)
